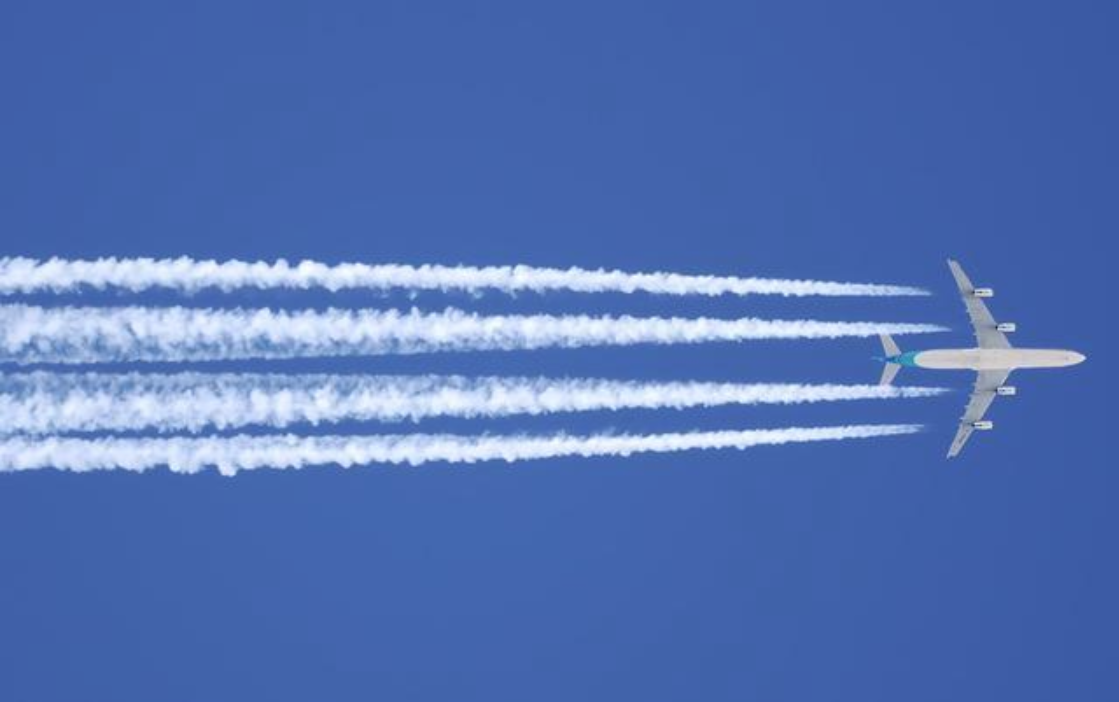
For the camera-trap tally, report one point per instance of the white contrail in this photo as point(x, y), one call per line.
point(89, 335)
point(237, 453)
point(27, 275)
point(50, 403)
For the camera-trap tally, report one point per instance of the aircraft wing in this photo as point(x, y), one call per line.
point(984, 393)
point(986, 333)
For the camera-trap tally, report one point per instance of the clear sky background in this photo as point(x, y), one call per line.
point(847, 141)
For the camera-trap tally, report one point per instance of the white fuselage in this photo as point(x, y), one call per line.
point(995, 359)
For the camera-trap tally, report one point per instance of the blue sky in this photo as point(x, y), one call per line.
point(866, 142)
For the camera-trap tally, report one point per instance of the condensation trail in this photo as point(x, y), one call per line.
point(66, 335)
point(26, 275)
point(48, 403)
point(233, 454)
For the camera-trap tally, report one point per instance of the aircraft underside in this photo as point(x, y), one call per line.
point(995, 359)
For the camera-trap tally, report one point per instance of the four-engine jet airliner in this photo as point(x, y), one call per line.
point(994, 359)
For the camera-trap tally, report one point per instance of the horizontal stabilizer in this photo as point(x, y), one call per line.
point(888, 372)
point(889, 346)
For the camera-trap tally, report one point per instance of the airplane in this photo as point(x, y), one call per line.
point(993, 360)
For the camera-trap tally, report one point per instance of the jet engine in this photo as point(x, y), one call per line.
point(983, 425)
point(1007, 327)
point(1007, 390)
point(983, 292)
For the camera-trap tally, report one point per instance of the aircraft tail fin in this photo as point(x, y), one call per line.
point(890, 349)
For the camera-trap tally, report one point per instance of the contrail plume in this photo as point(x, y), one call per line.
point(233, 454)
point(51, 403)
point(26, 275)
point(64, 335)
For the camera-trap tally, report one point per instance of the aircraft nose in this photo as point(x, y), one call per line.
point(1077, 357)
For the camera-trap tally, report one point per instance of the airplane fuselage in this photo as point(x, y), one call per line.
point(988, 359)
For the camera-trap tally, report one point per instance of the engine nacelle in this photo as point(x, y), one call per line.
point(1007, 327)
point(983, 292)
point(1007, 390)
point(983, 425)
